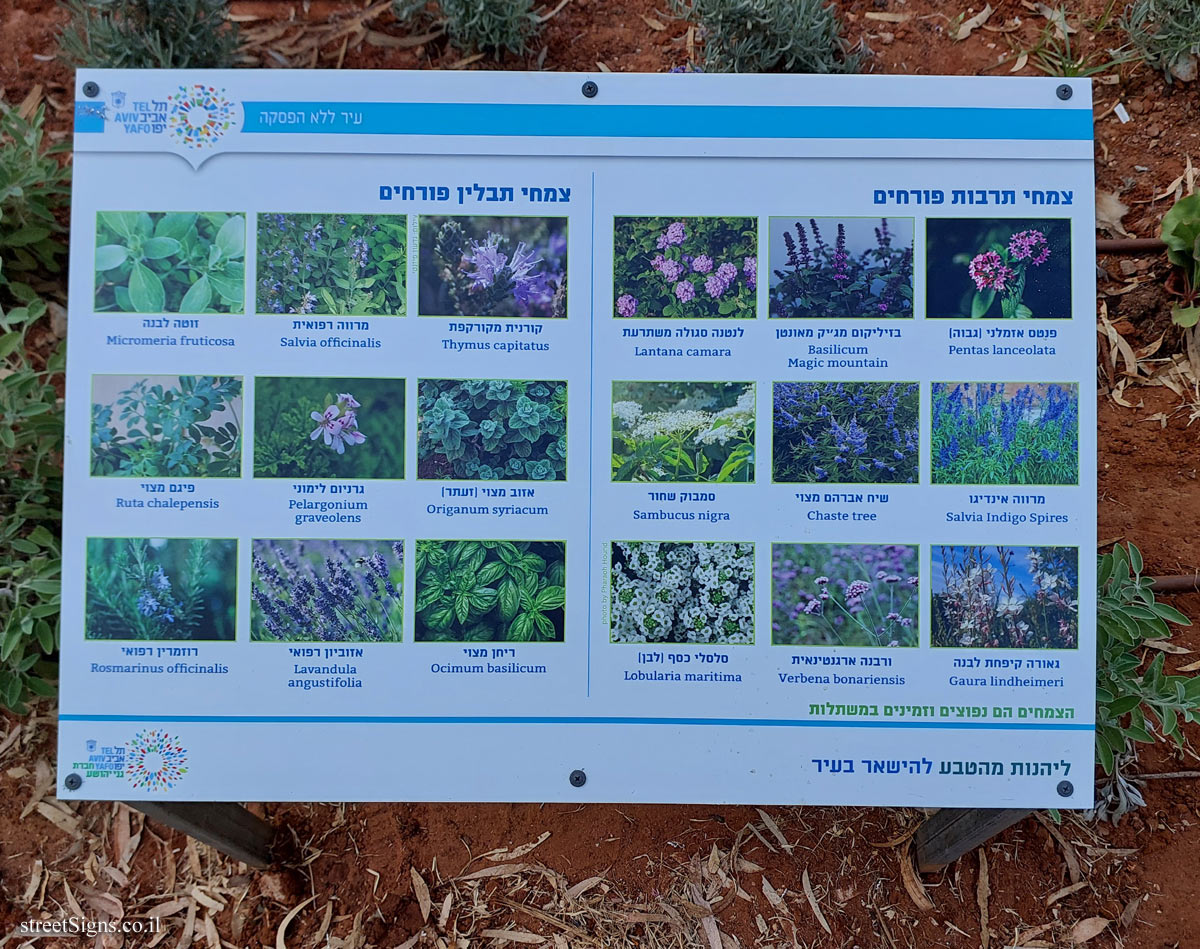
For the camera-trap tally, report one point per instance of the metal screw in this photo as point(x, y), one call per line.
point(1065, 789)
point(1064, 92)
point(72, 782)
point(578, 779)
point(91, 89)
point(589, 90)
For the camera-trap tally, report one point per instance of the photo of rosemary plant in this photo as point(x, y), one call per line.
point(493, 266)
point(155, 588)
point(337, 591)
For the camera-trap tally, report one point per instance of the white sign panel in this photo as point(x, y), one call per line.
point(552, 437)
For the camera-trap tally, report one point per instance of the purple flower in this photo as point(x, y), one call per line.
point(813, 607)
point(684, 291)
point(487, 260)
point(727, 272)
point(627, 305)
point(1029, 245)
point(715, 286)
point(989, 272)
point(750, 269)
point(674, 235)
point(856, 589)
point(840, 257)
point(702, 264)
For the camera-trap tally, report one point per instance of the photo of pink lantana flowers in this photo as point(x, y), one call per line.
point(989, 268)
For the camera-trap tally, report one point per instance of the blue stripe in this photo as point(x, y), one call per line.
point(563, 720)
point(671, 121)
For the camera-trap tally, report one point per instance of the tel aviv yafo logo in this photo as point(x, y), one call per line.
point(199, 115)
point(155, 760)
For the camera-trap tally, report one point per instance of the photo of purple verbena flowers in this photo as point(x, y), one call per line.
point(1005, 597)
point(1005, 433)
point(1016, 269)
point(698, 267)
point(842, 267)
point(346, 591)
point(493, 266)
point(846, 432)
point(844, 595)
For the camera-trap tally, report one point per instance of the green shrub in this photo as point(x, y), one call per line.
point(149, 34)
point(801, 36)
point(32, 187)
point(1167, 34)
point(490, 26)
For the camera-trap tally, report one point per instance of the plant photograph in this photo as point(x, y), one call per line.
point(336, 591)
point(846, 432)
point(697, 592)
point(471, 591)
point(491, 429)
point(332, 264)
point(166, 426)
point(683, 431)
point(170, 262)
point(844, 595)
point(1009, 268)
point(841, 267)
point(1005, 433)
point(698, 267)
point(328, 427)
point(155, 588)
point(1005, 597)
point(493, 266)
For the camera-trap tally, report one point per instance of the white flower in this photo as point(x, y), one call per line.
point(627, 412)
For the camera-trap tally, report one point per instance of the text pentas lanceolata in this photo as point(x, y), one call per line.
point(846, 278)
point(693, 267)
point(492, 429)
point(987, 433)
point(682, 592)
point(846, 432)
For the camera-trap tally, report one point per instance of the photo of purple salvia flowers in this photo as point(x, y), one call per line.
point(493, 266)
point(844, 595)
point(846, 432)
point(337, 591)
point(696, 268)
point(1005, 597)
point(1010, 268)
point(332, 264)
point(841, 268)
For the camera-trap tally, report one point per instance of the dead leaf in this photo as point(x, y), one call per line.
point(504, 869)
point(1129, 913)
point(771, 893)
point(1026, 938)
point(774, 829)
point(422, 894)
point(982, 892)
point(1057, 18)
point(444, 915)
point(1190, 667)
point(602, 67)
point(170, 908)
point(806, 883)
point(211, 939)
point(513, 935)
point(967, 26)
point(1073, 870)
point(67, 822)
point(887, 17)
point(1065, 892)
point(1109, 212)
point(583, 886)
point(375, 38)
point(517, 852)
point(1163, 645)
point(653, 23)
point(1022, 59)
point(280, 943)
point(912, 882)
point(1087, 929)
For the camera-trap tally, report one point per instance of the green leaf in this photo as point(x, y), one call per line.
point(551, 598)
point(124, 223)
point(109, 256)
point(490, 572)
point(1185, 316)
point(462, 607)
point(146, 290)
point(231, 238)
point(509, 599)
point(198, 297)
point(981, 303)
point(156, 248)
point(232, 289)
point(175, 225)
point(521, 629)
point(10, 341)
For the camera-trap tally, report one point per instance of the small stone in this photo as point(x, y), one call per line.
point(1128, 267)
point(1137, 106)
point(58, 319)
point(1154, 131)
point(887, 38)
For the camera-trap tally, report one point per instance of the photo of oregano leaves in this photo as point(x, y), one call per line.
point(170, 262)
point(493, 266)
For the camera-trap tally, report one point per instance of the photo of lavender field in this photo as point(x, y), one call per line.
point(1005, 597)
point(846, 432)
point(844, 595)
point(344, 591)
point(841, 268)
point(493, 266)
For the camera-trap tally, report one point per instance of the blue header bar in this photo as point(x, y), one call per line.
point(667, 121)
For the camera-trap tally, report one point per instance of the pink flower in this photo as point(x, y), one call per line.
point(348, 400)
point(989, 272)
point(1029, 245)
point(327, 423)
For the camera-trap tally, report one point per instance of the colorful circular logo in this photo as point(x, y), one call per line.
point(155, 761)
point(200, 115)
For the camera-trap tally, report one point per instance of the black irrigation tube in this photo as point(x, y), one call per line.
point(1181, 584)
point(1130, 245)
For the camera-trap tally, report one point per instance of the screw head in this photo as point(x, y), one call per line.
point(578, 779)
point(1064, 92)
point(91, 89)
point(590, 89)
point(1065, 789)
point(72, 782)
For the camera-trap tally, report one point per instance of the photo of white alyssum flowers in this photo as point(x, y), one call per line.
point(682, 592)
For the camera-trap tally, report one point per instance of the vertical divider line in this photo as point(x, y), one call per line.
point(591, 574)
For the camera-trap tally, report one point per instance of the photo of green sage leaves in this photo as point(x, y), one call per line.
point(332, 591)
point(1007, 268)
point(490, 591)
point(492, 429)
point(328, 427)
point(166, 426)
point(683, 432)
point(493, 266)
point(170, 262)
point(156, 588)
point(332, 264)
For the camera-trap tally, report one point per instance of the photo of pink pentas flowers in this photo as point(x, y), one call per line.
point(1005, 597)
point(1013, 269)
point(493, 266)
point(841, 268)
point(697, 267)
